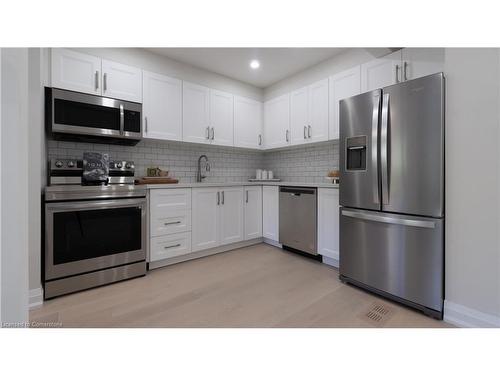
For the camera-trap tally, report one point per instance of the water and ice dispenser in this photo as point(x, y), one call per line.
point(356, 153)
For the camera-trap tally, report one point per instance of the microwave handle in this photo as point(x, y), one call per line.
point(122, 119)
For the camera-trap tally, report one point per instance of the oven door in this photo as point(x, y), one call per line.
point(84, 114)
point(85, 236)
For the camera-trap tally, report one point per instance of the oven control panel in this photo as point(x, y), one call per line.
point(70, 171)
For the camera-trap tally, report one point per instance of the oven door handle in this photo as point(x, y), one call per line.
point(96, 205)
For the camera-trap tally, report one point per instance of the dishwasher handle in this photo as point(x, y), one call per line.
point(297, 191)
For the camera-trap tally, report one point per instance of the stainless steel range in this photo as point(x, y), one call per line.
point(95, 234)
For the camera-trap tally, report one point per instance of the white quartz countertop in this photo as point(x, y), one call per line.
point(239, 183)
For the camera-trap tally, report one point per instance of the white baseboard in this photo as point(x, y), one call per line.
point(273, 243)
point(331, 261)
point(462, 316)
point(35, 297)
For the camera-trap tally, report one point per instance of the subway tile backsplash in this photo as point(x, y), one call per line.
point(309, 163)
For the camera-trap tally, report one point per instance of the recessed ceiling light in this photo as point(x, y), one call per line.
point(254, 64)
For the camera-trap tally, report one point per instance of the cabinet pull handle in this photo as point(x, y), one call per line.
point(305, 130)
point(208, 132)
point(171, 246)
point(146, 123)
point(213, 133)
point(397, 73)
point(105, 82)
point(222, 197)
point(260, 139)
point(247, 197)
point(172, 222)
point(122, 119)
point(286, 135)
point(405, 69)
point(96, 80)
point(309, 131)
point(218, 198)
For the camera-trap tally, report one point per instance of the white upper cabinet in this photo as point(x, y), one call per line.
point(318, 111)
point(231, 215)
point(253, 212)
point(342, 85)
point(419, 62)
point(299, 115)
point(76, 71)
point(277, 122)
point(221, 118)
point(195, 113)
point(247, 123)
point(162, 107)
point(121, 81)
point(309, 113)
point(381, 72)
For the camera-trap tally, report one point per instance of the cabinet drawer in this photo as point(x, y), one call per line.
point(172, 199)
point(170, 246)
point(166, 221)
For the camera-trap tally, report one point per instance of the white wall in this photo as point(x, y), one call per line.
point(336, 64)
point(161, 64)
point(472, 184)
point(14, 189)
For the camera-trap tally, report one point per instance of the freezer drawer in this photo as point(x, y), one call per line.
point(397, 254)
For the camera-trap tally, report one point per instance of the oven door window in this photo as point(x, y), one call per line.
point(80, 235)
point(71, 113)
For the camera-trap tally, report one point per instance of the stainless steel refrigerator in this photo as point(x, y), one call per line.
point(392, 192)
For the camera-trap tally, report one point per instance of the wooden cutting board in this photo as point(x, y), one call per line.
point(156, 180)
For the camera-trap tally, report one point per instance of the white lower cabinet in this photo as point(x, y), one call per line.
point(270, 212)
point(169, 246)
point(253, 212)
point(217, 217)
point(328, 222)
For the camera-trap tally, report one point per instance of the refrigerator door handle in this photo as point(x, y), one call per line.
point(375, 116)
point(390, 220)
point(384, 149)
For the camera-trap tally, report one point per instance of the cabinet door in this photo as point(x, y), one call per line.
point(195, 113)
point(231, 215)
point(317, 130)
point(221, 118)
point(381, 72)
point(162, 107)
point(270, 212)
point(299, 116)
point(328, 222)
point(277, 122)
point(253, 212)
point(342, 85)
point(420, 62)
point(76, 71)
point(247, 123)
point(205, 219)
point(121, 81)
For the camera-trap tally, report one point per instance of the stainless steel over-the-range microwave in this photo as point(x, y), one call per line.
point(73, 115)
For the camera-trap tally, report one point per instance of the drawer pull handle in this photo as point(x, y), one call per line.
point(172, 222)
point(169, 247)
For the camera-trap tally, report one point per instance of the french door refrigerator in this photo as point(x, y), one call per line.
point(392, 192)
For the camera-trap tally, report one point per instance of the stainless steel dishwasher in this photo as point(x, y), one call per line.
point(298, 218)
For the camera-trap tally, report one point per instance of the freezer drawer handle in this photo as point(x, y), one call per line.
point(390, 220)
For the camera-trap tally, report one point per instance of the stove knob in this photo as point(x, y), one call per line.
point(59, 164)
point(118, 165)
point(128, 165)
point(71, 164)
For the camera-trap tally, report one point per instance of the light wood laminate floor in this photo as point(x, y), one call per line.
point(256, 286)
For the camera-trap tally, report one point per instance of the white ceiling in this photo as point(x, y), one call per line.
point(275, 63)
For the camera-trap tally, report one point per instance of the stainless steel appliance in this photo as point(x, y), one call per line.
point(392, 192)
point(298, 218)
point(95, 234)
point(76, 116)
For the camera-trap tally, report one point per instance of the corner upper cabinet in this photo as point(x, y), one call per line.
point(342, 85)
point(247, 123)
point(195, 113)
point(221, 118)
point(76, 71)
point(162, 107)
point(277, 122)
point(121, 81)
point(381, 72)
point(420, 62)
